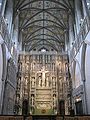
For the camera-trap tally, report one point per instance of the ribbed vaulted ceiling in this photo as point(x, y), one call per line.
point(43, 23)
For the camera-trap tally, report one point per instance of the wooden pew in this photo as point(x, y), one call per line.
point(70, 118)
point(59, 118)
point(83, 117)
point(6, 118)
point(29, 118)
point(18, 117)
point(11, 117)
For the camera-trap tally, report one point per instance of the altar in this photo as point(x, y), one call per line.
point(42, 83)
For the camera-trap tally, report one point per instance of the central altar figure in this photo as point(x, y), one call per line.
point(43, 76)
point(42, 82)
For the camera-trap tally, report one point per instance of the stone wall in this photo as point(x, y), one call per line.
point(87, 74)
point(9, 90)
point(1, 69)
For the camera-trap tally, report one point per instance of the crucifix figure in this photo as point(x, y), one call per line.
point(43, 71)
point(43, 76)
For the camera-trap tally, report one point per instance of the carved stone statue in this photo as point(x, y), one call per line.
point(47, 81)
point(39, 81)
point(26, 81)
point(32, 99)
point(54, 81)
point(43, 76)
point(33, 81)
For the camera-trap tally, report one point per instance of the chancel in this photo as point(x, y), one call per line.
point(44, 59)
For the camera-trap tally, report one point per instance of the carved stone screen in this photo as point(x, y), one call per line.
point(43, 82)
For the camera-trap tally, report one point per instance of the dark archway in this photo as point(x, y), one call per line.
point(25, 107)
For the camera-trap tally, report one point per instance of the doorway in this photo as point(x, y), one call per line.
point(79, 108)
point(25, 107)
